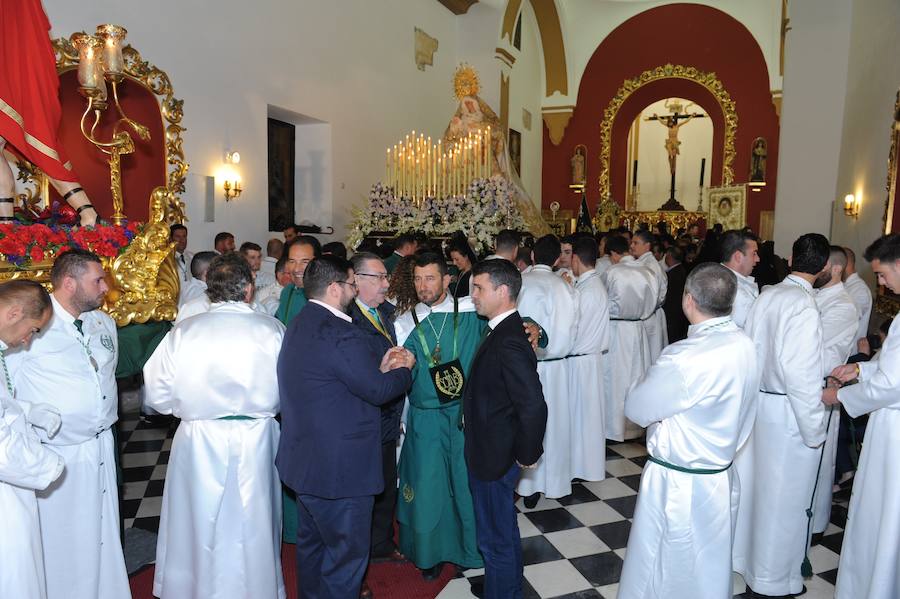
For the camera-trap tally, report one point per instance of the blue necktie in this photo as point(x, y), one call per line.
point(77, 322)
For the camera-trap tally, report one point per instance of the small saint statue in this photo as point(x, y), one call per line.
point(578, 173)
point(758, 161)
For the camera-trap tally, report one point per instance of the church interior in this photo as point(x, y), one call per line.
point(355, 119)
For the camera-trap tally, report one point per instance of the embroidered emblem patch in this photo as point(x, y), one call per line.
point(107, 342)
point(408, 494)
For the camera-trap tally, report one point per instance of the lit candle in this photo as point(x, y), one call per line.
point(112, 36)
point(88, 71)
point(387, 168)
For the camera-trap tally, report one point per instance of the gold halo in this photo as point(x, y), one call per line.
point(465, 81)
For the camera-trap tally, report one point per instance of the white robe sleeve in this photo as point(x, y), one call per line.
point(879, 385)
point(24, 461)
point(803, 374)
point(660, 394)
point(159, 375)
point(839, 327)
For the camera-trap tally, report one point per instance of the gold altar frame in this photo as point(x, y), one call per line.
point(144, 280)
point(886, 303)
point(668, 71)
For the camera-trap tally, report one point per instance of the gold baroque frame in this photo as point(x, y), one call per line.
point(668, 71)
point(144, 276)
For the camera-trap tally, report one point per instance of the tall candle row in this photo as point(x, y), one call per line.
point(417, 168)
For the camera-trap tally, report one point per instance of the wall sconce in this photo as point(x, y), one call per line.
point(232, 184)
point(852, 205)
point(232, 189)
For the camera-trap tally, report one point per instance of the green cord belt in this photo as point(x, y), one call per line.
point(666, 464)
point(236, 418)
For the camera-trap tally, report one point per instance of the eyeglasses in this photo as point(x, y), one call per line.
point(354, 285)
point(379, 276)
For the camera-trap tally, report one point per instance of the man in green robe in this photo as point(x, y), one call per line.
point(404, 245)
point(434, 509)
point(301, 250)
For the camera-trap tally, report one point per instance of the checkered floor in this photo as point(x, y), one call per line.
point(572, 547)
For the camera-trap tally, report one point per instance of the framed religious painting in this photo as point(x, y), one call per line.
point(728, 206)
point(281, 155)
point(515, 150)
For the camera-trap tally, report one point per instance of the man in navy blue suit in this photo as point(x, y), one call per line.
point(505, 417)
point(374, 315)
point(333, 377)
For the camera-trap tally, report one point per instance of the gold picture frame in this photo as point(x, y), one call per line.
point(727, 207)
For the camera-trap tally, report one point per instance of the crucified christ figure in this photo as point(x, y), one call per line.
point(671, 122)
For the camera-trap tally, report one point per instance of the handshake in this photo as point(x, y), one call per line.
point(397, 357)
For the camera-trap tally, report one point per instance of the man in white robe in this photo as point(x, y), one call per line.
point(657, 333)
point(860, 292)
point(839, 323)
point(740, 253)
point(778, 465)
point(550, 301)
point(870, 556)
point(220, 527)
point(585, 363)
point(25, 464)
point(196, 286)
point(270, 296)
point(631, 290)
point(72, 365)
point(699, 410)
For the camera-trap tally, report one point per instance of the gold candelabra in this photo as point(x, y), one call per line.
point(417, 168)
point(100, 62)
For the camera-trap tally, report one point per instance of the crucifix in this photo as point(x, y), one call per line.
point(673, 122)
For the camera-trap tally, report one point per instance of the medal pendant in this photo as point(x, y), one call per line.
point(436, 354)
point(94, 364)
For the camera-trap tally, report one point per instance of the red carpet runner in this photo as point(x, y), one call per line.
point(388, 581)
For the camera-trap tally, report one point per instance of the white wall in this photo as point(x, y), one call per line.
point(872, 82)
point(349, 63)
point(815, 84)
point(653, 161)
point(525, 93)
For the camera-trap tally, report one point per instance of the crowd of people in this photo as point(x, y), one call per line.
point(430, 387)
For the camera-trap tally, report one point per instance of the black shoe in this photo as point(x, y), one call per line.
point(532, 500)
point(433, 573)
point(477, 589)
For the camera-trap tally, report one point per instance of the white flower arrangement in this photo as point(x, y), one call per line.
point(487, 208)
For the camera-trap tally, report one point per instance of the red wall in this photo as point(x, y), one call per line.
point(680, 34)
point(142, 171)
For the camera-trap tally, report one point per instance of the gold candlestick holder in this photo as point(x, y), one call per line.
point(100, 62)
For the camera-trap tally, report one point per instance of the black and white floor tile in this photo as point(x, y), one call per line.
point(573, 548)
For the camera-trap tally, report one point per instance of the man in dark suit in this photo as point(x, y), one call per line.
point(504, 417)
point(676, 321)
point(375, 316)
point(333, 376)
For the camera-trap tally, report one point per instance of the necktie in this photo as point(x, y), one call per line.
point(181, 257)
point(484, 334)
point(374, 314)
point(77, 323)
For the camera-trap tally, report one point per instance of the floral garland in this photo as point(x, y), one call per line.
point(24, 242)
point(487, 208)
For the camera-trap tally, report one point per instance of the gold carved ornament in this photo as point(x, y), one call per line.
point(628, 87)
point(145, 277)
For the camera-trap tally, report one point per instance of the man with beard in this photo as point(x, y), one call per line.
point(300, 251)
point(72, 365)
point(777, 467)
point(332, 379)
point(435, 514)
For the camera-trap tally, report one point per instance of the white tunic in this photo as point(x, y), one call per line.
point(585, 363)
point(778, 465)
point(220, 527)
point(839, 323)
point(602, 265)
point(550, 301)
point(657, 332)
point(268, 297)
point(25, 465)
point(631, 290)
point(79, 512)
point(190, 290)
point(183, 263)
point(870, 556)
point(201, 304)
point(862, 297)
point(747, 292)
point(699, 409)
